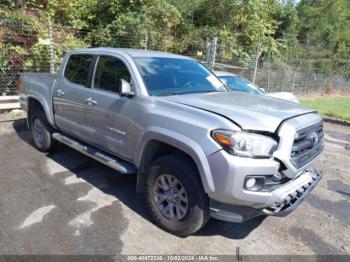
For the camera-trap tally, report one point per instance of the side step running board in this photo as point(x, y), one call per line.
point(118, 164)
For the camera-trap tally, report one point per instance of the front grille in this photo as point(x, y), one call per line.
point(307, 145)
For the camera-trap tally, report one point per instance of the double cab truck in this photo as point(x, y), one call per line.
point(197, 149)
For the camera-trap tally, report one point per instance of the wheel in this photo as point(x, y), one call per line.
point(175, 196)
point(41, 131)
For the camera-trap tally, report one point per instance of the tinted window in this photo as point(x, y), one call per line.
point(172, 76)
point(109, 74)
point(236, 83)
point(77, 69)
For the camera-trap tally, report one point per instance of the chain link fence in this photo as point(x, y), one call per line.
point(24, 49)
point(276, 74)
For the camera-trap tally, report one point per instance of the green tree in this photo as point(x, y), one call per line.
point(325, 27)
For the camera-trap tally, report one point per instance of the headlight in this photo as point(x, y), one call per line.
point(245, 144)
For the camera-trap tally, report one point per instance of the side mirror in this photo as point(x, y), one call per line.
point(126, 89)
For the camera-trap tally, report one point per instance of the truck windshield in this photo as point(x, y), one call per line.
point(174, 76)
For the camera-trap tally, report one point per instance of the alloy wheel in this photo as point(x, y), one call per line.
point(170, 196)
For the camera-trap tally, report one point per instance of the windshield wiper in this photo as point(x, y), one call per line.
point(191, 92)
point(206, 91)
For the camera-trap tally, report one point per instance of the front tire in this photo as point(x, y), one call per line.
point(175, 196)
point(41, 131)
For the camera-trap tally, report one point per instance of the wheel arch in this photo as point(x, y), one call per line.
point(33, 103)
point(158, 142)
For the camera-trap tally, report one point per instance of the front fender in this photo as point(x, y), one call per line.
point(183, 143)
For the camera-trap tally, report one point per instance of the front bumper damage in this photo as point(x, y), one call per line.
point(233, 201)
point(286, 199)
point(289, 196)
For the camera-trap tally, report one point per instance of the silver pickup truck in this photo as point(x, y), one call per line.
point(198, 150)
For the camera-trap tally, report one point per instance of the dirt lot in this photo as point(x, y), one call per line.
point(66, 203)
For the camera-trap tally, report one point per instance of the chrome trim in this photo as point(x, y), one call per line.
point(308, 144)
point(287, 133)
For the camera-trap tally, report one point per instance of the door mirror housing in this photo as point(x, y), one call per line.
point(126, 89)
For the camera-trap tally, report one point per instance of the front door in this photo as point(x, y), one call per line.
point(108, 115)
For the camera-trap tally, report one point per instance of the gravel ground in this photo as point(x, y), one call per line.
point(65, 203)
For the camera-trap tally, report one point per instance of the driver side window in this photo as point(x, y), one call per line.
point(109, 74)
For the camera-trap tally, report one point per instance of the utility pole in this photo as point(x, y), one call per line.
point(256, 62)
point(208, 47)
point(293, 81)
point(268, 73)
point(146, 40)
point(52, 50)
point(214, 47)
point(211, 52)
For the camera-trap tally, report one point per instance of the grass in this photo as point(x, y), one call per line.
point(333, 107)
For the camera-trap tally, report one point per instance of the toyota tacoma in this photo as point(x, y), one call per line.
point(198, 150)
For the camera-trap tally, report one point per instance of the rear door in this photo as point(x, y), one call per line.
point(109, 116)
point(70, 93)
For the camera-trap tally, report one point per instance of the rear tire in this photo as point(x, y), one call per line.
point(175, 196)
point(41, 131)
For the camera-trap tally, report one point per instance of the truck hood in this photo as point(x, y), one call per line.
point(284, 95)
point(250, 112)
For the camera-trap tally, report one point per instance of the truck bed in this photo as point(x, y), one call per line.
point(35, 77)
point(43, 80)
point(38, 85)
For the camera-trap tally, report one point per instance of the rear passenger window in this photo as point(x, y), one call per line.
point(77, 69)
point(109, 74)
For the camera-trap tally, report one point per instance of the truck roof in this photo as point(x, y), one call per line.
point(130, 51)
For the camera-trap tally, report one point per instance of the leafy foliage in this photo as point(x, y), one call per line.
point(245, 28)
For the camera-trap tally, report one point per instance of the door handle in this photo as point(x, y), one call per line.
point(91, 102)
point(59, 92)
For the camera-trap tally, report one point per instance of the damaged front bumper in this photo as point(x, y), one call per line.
point(289, 196)
point(286, 198)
